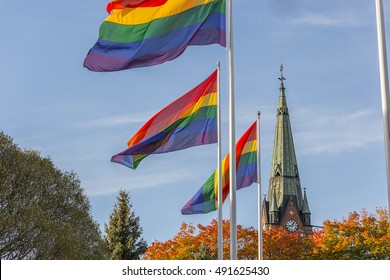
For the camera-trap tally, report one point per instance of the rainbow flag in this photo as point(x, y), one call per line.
point(154, 32)
point(189, 121)
point(205, 199)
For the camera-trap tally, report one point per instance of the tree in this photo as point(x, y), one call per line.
point(44, 213)
point(189, 244)
point(361, 236)
point(123, 234)
point(279, 244)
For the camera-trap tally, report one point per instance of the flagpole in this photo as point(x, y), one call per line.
point(232, 150)
point(384, 77)
point(260, 216)
point(220, 228)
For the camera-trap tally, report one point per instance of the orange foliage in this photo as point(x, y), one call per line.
point(279, 244)
point(187, 245)
point(181, 247)
point(360, 236)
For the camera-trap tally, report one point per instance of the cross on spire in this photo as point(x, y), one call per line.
point(281, 77)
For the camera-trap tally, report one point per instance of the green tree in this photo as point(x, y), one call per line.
point(123, 234)
point(44, 213)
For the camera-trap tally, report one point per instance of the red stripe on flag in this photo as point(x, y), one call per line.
point(121, 4)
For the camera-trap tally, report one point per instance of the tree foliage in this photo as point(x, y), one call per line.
point(360, 236)
point(201, 243)
point(123, 234)
point(44, 213)
point(279, 244)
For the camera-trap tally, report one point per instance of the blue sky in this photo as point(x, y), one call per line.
point(50, 103)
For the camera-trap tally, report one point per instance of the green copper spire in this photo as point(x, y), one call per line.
point(285, 207)
point(284, 179)
point(305, 209)
point(273, 211)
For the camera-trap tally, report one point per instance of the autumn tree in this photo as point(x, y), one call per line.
point(361, 236)
point(201, 243)
point(44, 213)
point(183, 246)
point(279, 244)
point(123, 234)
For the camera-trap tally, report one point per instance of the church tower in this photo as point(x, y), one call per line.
point(285, 207)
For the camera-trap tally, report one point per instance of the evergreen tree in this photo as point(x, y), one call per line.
point(123, 234)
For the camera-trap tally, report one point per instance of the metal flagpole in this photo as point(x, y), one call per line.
point(220, 228)
point(232, 148)
point(384, 87)
point(260, 225)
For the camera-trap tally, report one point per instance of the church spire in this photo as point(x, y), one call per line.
point(274, 211)
point(305, 210)
point(284, 178)
point(284, 190)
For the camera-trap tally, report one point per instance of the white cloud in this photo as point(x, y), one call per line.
point(161, 178)
point(338, 19)
point(249, 114)
point(118, 120)
point(164, 170)
point(339, 132)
